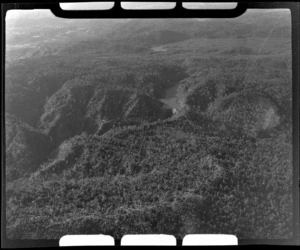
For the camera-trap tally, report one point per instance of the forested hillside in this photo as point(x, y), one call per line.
point(149, 126)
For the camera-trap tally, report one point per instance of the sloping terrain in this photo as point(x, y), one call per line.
point(91, 148)
point(26, 148)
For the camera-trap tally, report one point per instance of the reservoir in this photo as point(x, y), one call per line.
point(159, 49)
point(171, 98)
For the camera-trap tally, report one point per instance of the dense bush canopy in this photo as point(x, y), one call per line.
point(93, 147)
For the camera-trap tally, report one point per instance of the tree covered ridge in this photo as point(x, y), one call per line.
point(90, 148)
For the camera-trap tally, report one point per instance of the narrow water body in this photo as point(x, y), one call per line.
point(171, 99)
point(159, 49)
